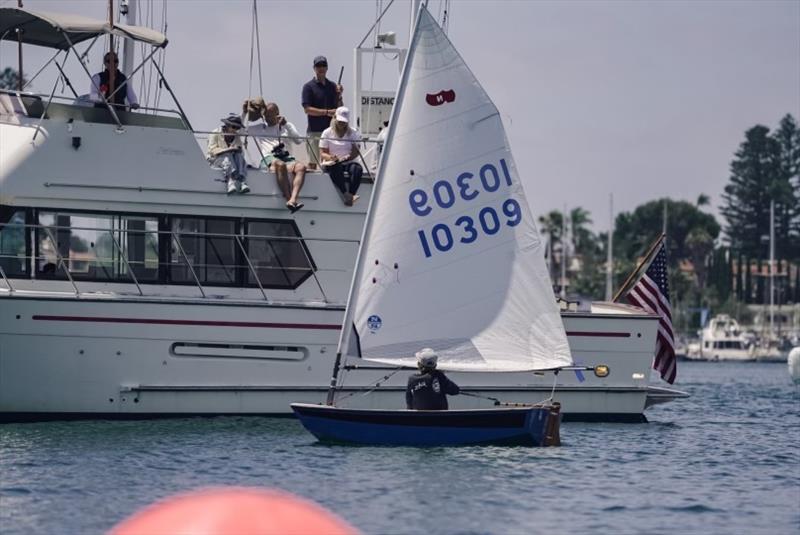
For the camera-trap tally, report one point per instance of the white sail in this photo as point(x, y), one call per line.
point(451, 258)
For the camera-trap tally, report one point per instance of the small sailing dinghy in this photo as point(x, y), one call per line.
point(450, 259)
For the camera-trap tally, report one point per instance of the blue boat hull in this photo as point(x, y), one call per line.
point(532, 426)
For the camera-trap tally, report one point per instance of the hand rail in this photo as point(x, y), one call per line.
point(302, 264)
point(5, 279)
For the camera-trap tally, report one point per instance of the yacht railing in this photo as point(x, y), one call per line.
point(81, 103)
point(48, 249)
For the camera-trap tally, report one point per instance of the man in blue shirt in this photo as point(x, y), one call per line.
point(320, 99)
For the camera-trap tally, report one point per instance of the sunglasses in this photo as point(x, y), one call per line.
point(116, 61)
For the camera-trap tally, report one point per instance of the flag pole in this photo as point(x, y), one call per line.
point(647, 257)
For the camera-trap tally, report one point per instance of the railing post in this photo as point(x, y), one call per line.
point(125, 259)
point(61, 261)
point(252, 269)
point(311, 267)
point(188, 264)
point(8, 282)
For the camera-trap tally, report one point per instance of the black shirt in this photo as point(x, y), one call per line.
point(320, 95)
point(428, 391)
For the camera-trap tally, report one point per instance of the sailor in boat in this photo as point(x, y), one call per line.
point(226, 154)
point(101, 83)
point(269, 131)
point(428, 389)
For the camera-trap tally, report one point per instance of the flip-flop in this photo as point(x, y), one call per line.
point(295, 207)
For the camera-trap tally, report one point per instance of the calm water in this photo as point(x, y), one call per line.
point(727, 460)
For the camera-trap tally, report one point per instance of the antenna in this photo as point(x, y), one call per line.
point(127, 8)
point(388, 38)
point(610, 252)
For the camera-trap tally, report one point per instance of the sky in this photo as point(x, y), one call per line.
point(641, 100)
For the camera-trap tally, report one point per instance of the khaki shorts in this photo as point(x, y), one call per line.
point(312, 146)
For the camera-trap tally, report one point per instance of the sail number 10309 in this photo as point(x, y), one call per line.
point(467, 228)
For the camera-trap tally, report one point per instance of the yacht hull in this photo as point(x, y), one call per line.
point(64, 358)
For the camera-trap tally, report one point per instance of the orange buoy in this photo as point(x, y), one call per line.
point(234, 510)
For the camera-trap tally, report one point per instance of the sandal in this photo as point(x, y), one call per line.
point(295, 207)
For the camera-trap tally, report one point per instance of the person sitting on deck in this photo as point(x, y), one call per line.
point(225, 153)
point(338, 148)
point(268, 135)
point(101, 84)
point(428, 389)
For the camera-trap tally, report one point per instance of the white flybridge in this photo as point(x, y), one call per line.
point(132, 286)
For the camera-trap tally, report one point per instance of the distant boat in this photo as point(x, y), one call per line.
point(450, 259)
point(794, 364)
point(722, 339)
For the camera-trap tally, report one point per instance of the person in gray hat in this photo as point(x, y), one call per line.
point(428, 389)
point(225, 153)
point(320, 98)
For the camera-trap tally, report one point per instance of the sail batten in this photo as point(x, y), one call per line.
point(451, 258)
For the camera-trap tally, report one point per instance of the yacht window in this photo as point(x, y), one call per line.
point(13, 257)
point(209, 245)
point(279, 256)
point(97, 246)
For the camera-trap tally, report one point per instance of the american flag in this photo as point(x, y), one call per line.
point(651, 292)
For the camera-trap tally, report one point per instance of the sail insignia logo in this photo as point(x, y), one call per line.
point(441, 97)
point(374, 323)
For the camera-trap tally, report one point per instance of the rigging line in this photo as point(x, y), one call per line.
point(146, 83)
point(366, 390)
point(252, 38)
point(258, 48)
point(374, 61)
point(376, 23)
point(163, 56)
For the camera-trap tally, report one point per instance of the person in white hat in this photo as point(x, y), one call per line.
point(338, 148)
point(428, 389)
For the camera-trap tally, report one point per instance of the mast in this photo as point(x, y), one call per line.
point(112, 71)
point(564, 253)
point(771, 269)
point(413, 18)
point(20, 82)
point(610, 253)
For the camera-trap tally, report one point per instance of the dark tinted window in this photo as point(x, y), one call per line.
point(97, 246)
point(13, 258)
point(209, 245)
point(277, 253)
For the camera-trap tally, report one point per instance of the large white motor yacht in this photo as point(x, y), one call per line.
point(131, 286)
